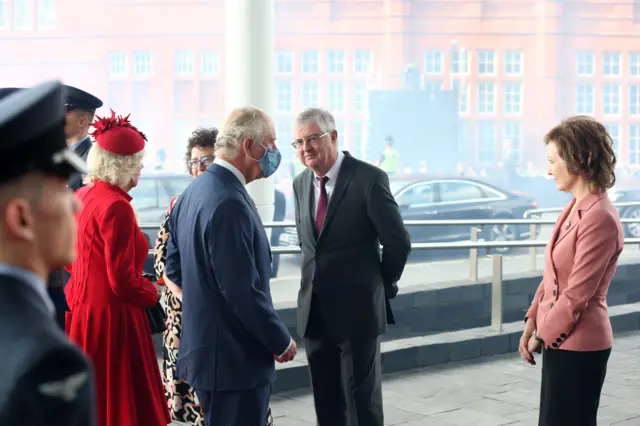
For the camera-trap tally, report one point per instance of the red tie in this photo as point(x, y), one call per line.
point(322, 204)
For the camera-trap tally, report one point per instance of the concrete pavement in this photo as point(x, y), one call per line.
point(494, 392)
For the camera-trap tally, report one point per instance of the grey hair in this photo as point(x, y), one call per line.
point(242, 123)
point(112, 168)
point(319, 116)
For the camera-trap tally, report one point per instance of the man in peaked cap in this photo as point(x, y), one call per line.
point(80, 109)
point(45, 379)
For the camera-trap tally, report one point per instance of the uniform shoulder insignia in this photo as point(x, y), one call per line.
point(67, 389)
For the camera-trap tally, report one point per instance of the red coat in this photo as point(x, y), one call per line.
point(107, 296)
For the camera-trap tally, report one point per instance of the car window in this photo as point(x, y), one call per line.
point(459, 191)
point(171, 187)
point(144, 195)
point(419, 194)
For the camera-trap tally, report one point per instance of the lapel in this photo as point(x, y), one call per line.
point(229, 177)
point(82, 150)
point(342, 183)
point(307, 204)
point(571, 220)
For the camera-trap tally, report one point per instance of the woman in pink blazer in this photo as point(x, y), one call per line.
point(568, 318)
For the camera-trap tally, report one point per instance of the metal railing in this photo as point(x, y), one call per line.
point(538, 212)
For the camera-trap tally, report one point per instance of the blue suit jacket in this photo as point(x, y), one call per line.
point(219, 254)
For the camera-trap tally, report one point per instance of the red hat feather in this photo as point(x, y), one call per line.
point(117, 135)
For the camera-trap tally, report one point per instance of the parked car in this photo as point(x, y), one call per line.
point(626, 195)
point(451, 198)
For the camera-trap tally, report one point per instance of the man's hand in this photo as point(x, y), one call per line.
point(289, 354)
point(391, 291)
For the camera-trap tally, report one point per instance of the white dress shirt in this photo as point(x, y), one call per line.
point(330, 185)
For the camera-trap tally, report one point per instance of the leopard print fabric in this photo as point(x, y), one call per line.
point(181, 398)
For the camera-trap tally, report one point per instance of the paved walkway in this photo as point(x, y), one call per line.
point(499, 391)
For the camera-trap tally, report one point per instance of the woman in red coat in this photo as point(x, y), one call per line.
point(107, 294)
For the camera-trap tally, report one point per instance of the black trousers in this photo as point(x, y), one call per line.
point(571, 386)
point(240, 408)
point(346, 377)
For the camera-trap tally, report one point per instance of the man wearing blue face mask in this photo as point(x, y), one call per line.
point(218, 253)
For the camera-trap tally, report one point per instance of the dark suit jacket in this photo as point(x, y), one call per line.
point(343, 264)
point(82, 150)
point(219, 254)
point(45, 379)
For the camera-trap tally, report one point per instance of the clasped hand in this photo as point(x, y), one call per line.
point(289, 355)
point(529, 345)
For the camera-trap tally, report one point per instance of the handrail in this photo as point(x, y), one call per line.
point(461, 222)
point(559, 209)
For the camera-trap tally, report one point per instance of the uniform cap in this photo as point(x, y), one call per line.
point(117, 135)
point(75, 98)
point(32, 135)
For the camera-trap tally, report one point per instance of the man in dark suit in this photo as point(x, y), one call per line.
point(80, 109)
point(45, 379)
point(344, 211)
point(218, 252)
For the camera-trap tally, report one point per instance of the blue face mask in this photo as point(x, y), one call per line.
point(270, 161)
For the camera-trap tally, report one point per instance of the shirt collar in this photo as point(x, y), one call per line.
point(78, 143)
point(332, 174)
point(30, 280)
point(222, 163)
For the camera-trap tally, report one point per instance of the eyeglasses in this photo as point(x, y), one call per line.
point(312, 140)
point(205, 161)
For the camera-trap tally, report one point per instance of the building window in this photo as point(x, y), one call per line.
point(335, 62)
point(22, 14)
point(208, 97)
point(486, 62)
point(464, 141)
point(4, 14)
point(46, 14)
point(183, 96)
point(284, 96)
point(585, 63)
point(117, 64)
point(634, 99)
point(634, 64)
point(433, 62)
point(486, 141)
point(141, 101)
point(141, 64)
point(463, 96)
point(611, 99)
point(184, 62)
point(360, 97)
point(614, 132)
point(284, 62)
point(357, 138)
point(310, 94)
point(310, 61)
point(460, 60)
point(486, 98)
point(362, 62)
point(343, 142)
point(335, 96)
point(512, 97)
point(117, 96)
point(585, 99)
point(611, 64)
point(284, 135)
point(634, 144)
point(512, 132)
point(513, 62)
point(210, 63)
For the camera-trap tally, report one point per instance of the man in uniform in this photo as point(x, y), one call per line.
point(80, 110)
point(46, 381)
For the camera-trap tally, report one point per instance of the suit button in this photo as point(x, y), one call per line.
point(555, 345)
point(564, 336)
point(559, 340)
point(554, 292)
point(555, 281)
point(552, 305)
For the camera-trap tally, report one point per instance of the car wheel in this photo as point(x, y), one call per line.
point(502, 233)
point(632, 229)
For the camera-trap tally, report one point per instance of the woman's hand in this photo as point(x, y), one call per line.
point(534, 345)
point(523, 348)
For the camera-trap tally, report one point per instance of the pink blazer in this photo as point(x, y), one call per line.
point(570, 306)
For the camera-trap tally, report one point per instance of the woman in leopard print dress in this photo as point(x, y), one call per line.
point(181, 398)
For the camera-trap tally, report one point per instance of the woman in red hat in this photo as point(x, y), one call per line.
point(107, 294)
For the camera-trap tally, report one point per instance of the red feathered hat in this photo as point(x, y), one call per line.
point(117, 135)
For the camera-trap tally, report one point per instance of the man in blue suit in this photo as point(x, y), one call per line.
point(218, 252)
